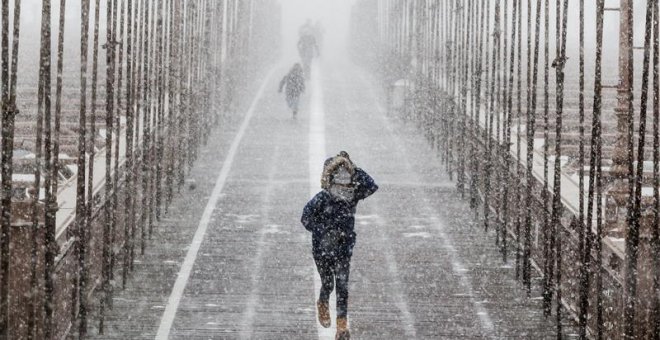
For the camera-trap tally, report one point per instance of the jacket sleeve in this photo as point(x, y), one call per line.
point(310, 213)
point(365, 184)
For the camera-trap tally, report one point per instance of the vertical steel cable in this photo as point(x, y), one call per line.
point(545, 192)
point(109, 123)
point(627, 118)
point(463, 94)
point(507, 137)
point(160, 112)
point(13, 74)
point(448, 11)
point(655, 230)
point(92, 135)
point(519, 191)
point(173, 103)
point(441, 68)
point(9, 112)
point(500, 120)
point(502, 145)
point(633, 231)
point(583, 228)
point(182, 104)
point(496, 92)
point(471, 86)
point(146, 107)
point(474, 185)
point(136, 107)
point(128, 184)
point(42, 107)
point(148, 125)
point(595, 180)
point(153, 118)
point(559, 65)
point(81, 208)
point(189, 26)
point(531, 126)
point(192, 76)
point(454, 9)
point(194, 125)
point(91, 203)
point(468, 88)
point(120, 81)
point(473, 190)
point(153, 114)
point(91, 146)
point(433, 63)
point(137, 97)
point(581, 127)
point(486, 81)
point(548, 261)
point(50, 244)
point(490, 112)
point(7, 152)
point(528, 101)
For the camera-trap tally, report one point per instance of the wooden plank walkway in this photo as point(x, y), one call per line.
point(422, 268)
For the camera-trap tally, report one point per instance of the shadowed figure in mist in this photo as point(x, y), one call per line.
point(307, 47)
point(330, 217)
point(294, 81)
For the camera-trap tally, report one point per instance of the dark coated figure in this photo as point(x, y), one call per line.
point(307, 47)
point(330, 217)
point(294, 81)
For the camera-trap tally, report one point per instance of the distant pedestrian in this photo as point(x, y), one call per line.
point(330, 217)
point(319, 32)
point(307, 47)
point(294, 81)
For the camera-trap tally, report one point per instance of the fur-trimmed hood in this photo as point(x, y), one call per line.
point(332, 165)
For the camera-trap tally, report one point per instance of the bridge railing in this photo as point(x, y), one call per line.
point(107, 131)
point(532, 108)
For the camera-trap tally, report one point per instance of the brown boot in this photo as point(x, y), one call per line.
point(342, 329)
point(323, 309)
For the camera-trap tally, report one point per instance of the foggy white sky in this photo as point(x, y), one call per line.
point(334, 15)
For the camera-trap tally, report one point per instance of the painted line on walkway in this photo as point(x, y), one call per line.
point(247, 322)
point(398, 295)
point(457, 267)
point(184, 273)
point(397, 290)
point(460, 270)
point(317, 155)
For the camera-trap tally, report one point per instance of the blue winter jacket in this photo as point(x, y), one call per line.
point(325, 212)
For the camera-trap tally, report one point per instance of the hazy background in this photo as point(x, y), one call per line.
point(333, 14)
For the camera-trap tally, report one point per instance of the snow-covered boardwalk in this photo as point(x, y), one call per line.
point(230, 259)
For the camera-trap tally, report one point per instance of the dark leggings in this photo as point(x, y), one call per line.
point(331, 269)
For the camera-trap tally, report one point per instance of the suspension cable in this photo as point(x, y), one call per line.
point(595, 178)
point(507, 136)
point(42, 107)
point(128, 198)
point(531, 126)
point(50, 244)
point(81, 208)
point(490, 111)
point(632, 240)
point(9, 112)
point(583, 229)
point(109, 125)
point(655, 230)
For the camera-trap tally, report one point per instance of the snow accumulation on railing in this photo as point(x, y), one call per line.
point(66, 196)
